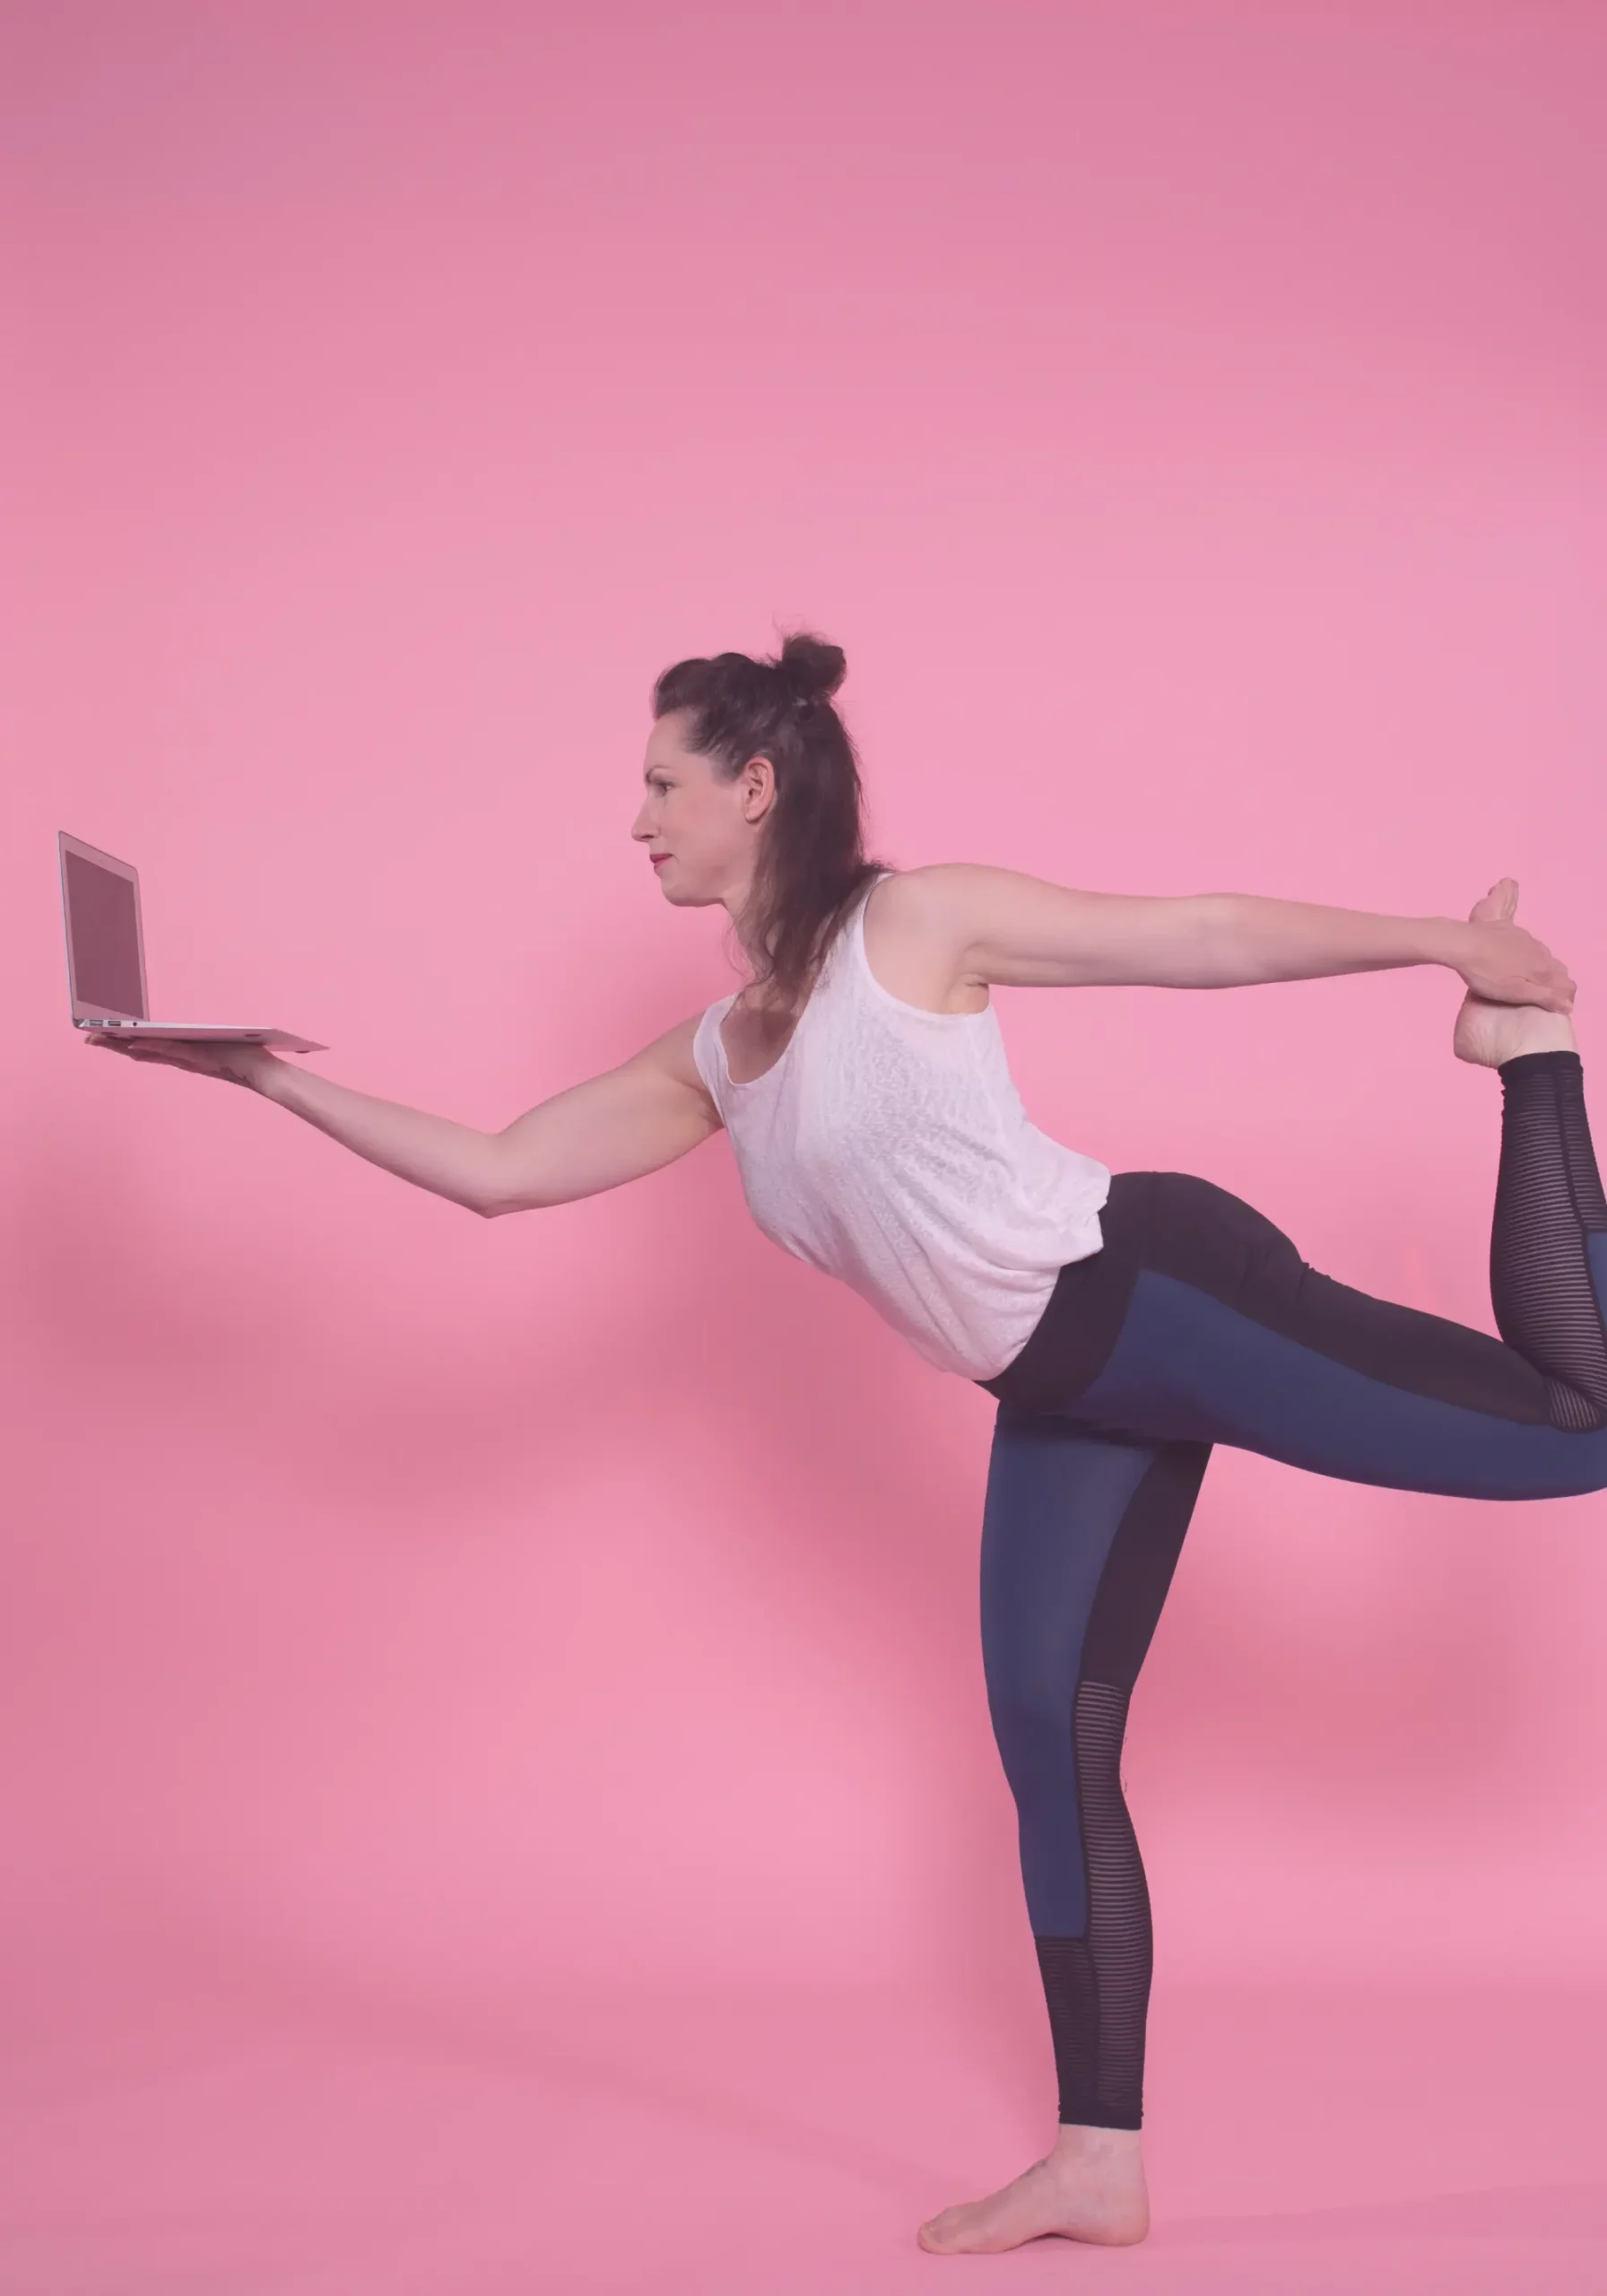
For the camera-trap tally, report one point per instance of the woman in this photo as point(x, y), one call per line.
point(1124, 1325)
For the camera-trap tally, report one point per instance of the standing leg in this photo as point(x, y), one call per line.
point(1080, 1539)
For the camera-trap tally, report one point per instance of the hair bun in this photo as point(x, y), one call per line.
point(811, 667)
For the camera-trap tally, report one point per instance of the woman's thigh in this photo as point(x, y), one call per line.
point(1199, 1321)
point(1080, 1541)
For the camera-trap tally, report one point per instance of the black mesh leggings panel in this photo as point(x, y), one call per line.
point(1197, 1323)
point(1546, 1292)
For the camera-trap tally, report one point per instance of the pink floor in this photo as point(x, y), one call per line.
point(281, 2140)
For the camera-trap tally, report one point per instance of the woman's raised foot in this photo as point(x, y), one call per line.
point(1488, 1034)
point(1090, 2187)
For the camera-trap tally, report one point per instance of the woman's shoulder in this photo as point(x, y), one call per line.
point(916, 941)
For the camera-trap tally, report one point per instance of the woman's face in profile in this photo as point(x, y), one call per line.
point(699, 823)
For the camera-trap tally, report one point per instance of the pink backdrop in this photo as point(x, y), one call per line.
point(1190, 421)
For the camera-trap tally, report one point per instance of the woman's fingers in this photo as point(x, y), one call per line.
point(231, 1060)
point(172, 1052)
point(1510, 966)
point(1555, 989)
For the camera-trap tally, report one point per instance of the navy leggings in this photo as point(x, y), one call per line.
point(1198, 1323)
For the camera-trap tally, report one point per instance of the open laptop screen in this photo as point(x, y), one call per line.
point(105, 934)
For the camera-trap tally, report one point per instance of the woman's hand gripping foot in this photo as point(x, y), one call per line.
point(1090, 2187)
point(1488, 1033)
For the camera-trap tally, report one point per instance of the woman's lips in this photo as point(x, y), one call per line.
point(659, 858)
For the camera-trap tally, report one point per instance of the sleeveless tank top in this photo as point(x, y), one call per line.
point(888, 1147)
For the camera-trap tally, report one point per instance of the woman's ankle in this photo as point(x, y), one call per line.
point(1080, 2139)
point(1543, 1031)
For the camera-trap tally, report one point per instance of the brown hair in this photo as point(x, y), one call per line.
point(811, 863)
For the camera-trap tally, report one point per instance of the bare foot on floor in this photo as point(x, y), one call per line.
point(1488, 1034)
point(1089, 2188)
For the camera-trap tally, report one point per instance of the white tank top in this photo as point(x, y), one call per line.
point(888, 1147)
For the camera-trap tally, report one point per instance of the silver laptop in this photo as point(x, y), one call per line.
point(106, 955)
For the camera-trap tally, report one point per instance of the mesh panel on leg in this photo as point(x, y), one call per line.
point(1066, 1966)
point(1097, 1987)
point(1590, 1198)
point(1548, 1197)
point(1574, 1412)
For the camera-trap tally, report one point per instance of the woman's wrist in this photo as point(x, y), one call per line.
point(267, 1075)
point(1446, 941)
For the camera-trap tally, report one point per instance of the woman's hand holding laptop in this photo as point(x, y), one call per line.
point(236, 1063)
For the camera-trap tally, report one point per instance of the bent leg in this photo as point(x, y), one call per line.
point(1080, 1541)
point(1200, 1321)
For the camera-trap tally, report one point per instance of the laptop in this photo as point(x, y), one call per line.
point(106, 955)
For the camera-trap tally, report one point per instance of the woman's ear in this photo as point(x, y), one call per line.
point(758, 788)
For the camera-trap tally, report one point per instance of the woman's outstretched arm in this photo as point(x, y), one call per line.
point(1007, 927)
point(597, 1135)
